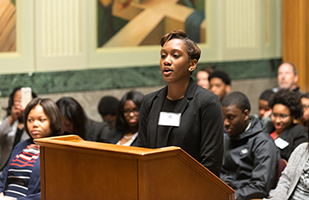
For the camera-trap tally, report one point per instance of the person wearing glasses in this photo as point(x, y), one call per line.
point(287, 107)
point(126, 129)
point(304, 120)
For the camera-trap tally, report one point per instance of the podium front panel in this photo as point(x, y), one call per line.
point(75, 174)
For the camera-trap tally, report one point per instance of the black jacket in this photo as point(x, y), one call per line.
point(201, 128)
point(250, 162)
point(95, 130)
point(294, 135)
point(114, 136)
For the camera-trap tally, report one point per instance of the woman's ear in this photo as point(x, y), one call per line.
point(193, 64)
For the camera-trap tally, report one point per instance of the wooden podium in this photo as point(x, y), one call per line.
point(72, 168)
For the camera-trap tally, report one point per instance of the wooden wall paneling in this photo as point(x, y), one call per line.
point(7, 26)
point(17, 54)
point(296, 38)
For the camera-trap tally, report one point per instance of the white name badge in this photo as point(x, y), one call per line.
point(281, 143)
point(169, 119)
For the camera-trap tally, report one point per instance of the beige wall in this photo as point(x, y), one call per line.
point(61, 35)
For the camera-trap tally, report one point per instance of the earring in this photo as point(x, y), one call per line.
point(190, 69)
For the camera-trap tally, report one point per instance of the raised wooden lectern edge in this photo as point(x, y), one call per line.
point(75, 141)
point(201, 169)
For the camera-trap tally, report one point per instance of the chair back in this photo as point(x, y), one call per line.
point(282, 164)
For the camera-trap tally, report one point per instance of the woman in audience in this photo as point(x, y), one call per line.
point(107, 109)
point(183, 114)
point(126, 129)
point(286, 107)
point(12, 127)
point(76, 122)
point(202, 77)
point(293, 183)
point(21, 176)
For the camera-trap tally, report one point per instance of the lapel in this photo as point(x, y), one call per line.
point(154, 116)
point(157, 107)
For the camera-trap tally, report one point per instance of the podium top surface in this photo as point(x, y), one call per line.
point(75, 141)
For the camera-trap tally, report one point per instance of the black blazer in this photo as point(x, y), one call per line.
point(201, 128)
point(114, 136)
point(95, 130)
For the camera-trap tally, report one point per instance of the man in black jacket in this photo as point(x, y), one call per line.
point(250, 161)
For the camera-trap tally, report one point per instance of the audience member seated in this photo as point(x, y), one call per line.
point(293, 183)
point(76, 121)
point(304, 120)
point(126, 130)
point(220, 84)
point(251, 159)
point(287, 77)
point(286, 106)
point(107, 109)
point(12, 128)
point(21, 176)
point(264, 109)
point(202, 77)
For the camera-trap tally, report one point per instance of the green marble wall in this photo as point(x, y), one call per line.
point(102, 79)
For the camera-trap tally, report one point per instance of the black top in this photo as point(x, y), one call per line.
point(168, 106)
point(114, 136)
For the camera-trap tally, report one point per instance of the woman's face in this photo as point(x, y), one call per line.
point(131, 113)
point(38, 123)
point(175, 63)
point(68, 125)
point(281, 117)
point(202, 79)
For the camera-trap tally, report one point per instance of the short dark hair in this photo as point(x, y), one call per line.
point(70, 109)
point(193, 50)
point(238, 99)
point(208, 70)
point(306, 95)
point(266, 95)
point(11, 100)
point(137, 98)
point(290, 99)
point(108, 105)
point(222, 75)
point(50, 110)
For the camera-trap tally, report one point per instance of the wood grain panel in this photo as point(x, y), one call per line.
point(7, 26)
point(296, 38)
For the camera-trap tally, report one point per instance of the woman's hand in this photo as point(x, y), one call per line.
point(2, 197)
point(16, 112)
